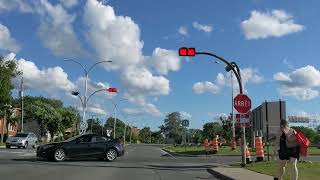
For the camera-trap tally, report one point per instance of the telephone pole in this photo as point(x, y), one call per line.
point(21, 98)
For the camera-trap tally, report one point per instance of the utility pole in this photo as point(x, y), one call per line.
point(232, 116)
point(22, 104)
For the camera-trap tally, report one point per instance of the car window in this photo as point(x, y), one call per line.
point(101, 139)
point(85, 139)
point(21, 135)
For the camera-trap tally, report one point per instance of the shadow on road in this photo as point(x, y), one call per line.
point(70, 163)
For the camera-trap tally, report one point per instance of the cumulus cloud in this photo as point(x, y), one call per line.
point(249, 75)
point(202, 27)
point(183, 30)
point(56, 31)
point(7, 42)
point(202, 87)
point(69, 3)
point(51, 80)
point(301, 83)
point(163, 61)
point(20, 5)
point(276, 23)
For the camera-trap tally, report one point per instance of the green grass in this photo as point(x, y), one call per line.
point(225, 150)
point(307, 171)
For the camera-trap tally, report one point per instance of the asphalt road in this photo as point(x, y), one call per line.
point(140, 162)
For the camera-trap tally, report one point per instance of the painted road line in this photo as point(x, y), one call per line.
point(165, 153)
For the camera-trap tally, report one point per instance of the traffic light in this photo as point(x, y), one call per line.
point(187, 51)
point(112, 90)
point(75, 93)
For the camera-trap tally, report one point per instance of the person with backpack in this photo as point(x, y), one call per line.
point(288, 150)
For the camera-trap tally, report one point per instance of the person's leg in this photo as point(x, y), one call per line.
point(282, 169)
point(294, 169)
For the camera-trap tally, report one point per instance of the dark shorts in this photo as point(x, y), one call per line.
point(287, 153)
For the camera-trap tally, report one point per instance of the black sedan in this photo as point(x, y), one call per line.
point(82, 146)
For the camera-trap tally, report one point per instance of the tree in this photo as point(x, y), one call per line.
point(172, 128)
point(310, 133)
point(8, 70)
point(210, 130)
point(157, 137)
point(195, 136)
point(119, 127)
point(94, 126)
point(144, 135)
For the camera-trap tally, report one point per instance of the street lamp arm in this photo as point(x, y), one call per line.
point(81, 100)
point(91, 67)
point(94, 93)
point(228, 64)
point(84, 69)
point(238, 69)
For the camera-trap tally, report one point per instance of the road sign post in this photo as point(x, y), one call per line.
point(242, 104)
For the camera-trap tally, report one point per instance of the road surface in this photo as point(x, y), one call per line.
point(141, 162)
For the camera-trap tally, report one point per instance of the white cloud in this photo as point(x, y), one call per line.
point(164, 61)
point(202, 27)
point(21, 5)
point(202, 87)
point(141, 81)
point(248, 75)
point(185, 115)
point(69, 3)
point(183, 30)
point(51, 80)
point(56, 31)
point(96, 110)
point(300, 83)
point(276, 23)
point(7, 42)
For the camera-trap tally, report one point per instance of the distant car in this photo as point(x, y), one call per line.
point(82, 146)
point(22, 140)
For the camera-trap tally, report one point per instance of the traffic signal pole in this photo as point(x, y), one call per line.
point(231, 66)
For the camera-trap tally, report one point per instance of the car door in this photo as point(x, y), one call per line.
point(98, 148)
point(81, 147)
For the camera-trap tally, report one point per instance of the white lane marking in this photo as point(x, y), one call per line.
point(166, 153)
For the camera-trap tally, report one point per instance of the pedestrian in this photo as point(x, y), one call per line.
point(288, 150)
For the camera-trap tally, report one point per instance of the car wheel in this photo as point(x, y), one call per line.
point(8, 146)
point(59, 155)
point(111, 155)
point(25, 145)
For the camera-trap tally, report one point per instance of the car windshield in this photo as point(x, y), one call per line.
point(21, 135)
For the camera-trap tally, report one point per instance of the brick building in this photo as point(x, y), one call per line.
point(12, 128)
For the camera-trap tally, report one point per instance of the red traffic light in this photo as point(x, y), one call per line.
point(187, 51)
point(112, 89)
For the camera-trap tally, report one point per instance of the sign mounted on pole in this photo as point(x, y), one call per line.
point(242, 103)
point(185, 123)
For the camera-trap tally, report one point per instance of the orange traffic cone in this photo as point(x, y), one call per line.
point(206, 145)
point(215, 144)
point(248, 156)
point(259, 149)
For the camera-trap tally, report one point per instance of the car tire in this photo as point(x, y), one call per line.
point(111, 155)
point(59, 155)
point(8, 146)
point(25, 145)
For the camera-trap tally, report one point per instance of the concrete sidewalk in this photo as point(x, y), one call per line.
point(229, 173)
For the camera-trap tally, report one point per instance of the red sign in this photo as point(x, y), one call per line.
point(242, 103)
point(113, 90)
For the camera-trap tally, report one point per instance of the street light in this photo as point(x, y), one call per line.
point(115, 115)
point(85, 100)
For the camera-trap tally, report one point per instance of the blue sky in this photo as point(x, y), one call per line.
point(276, 44)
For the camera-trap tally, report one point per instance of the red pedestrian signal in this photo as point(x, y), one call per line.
point(187, 51)
point(112, 89)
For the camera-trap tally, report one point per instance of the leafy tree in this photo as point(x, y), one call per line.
point(195, 136)
point(119, 127)
point(144, 135)
point(94, 126)
point(310, 133)
point(157, 137)
point(210, 130)
point(8, 70)
point(172, 127)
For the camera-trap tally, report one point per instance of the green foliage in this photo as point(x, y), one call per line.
point(195, 136)
point(210, 130)
point(145, 135)
point(172, 127)
point(310, 133)
point(8, 70)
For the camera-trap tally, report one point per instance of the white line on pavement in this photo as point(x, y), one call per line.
point(166, 153)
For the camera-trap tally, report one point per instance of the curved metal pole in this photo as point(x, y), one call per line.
point(91, 67)
point(228, 64)
point(80, 100)
point(238, 69)
point(94, 93)
point(84, 69)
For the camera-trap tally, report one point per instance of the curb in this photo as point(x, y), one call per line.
point(219, 175)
